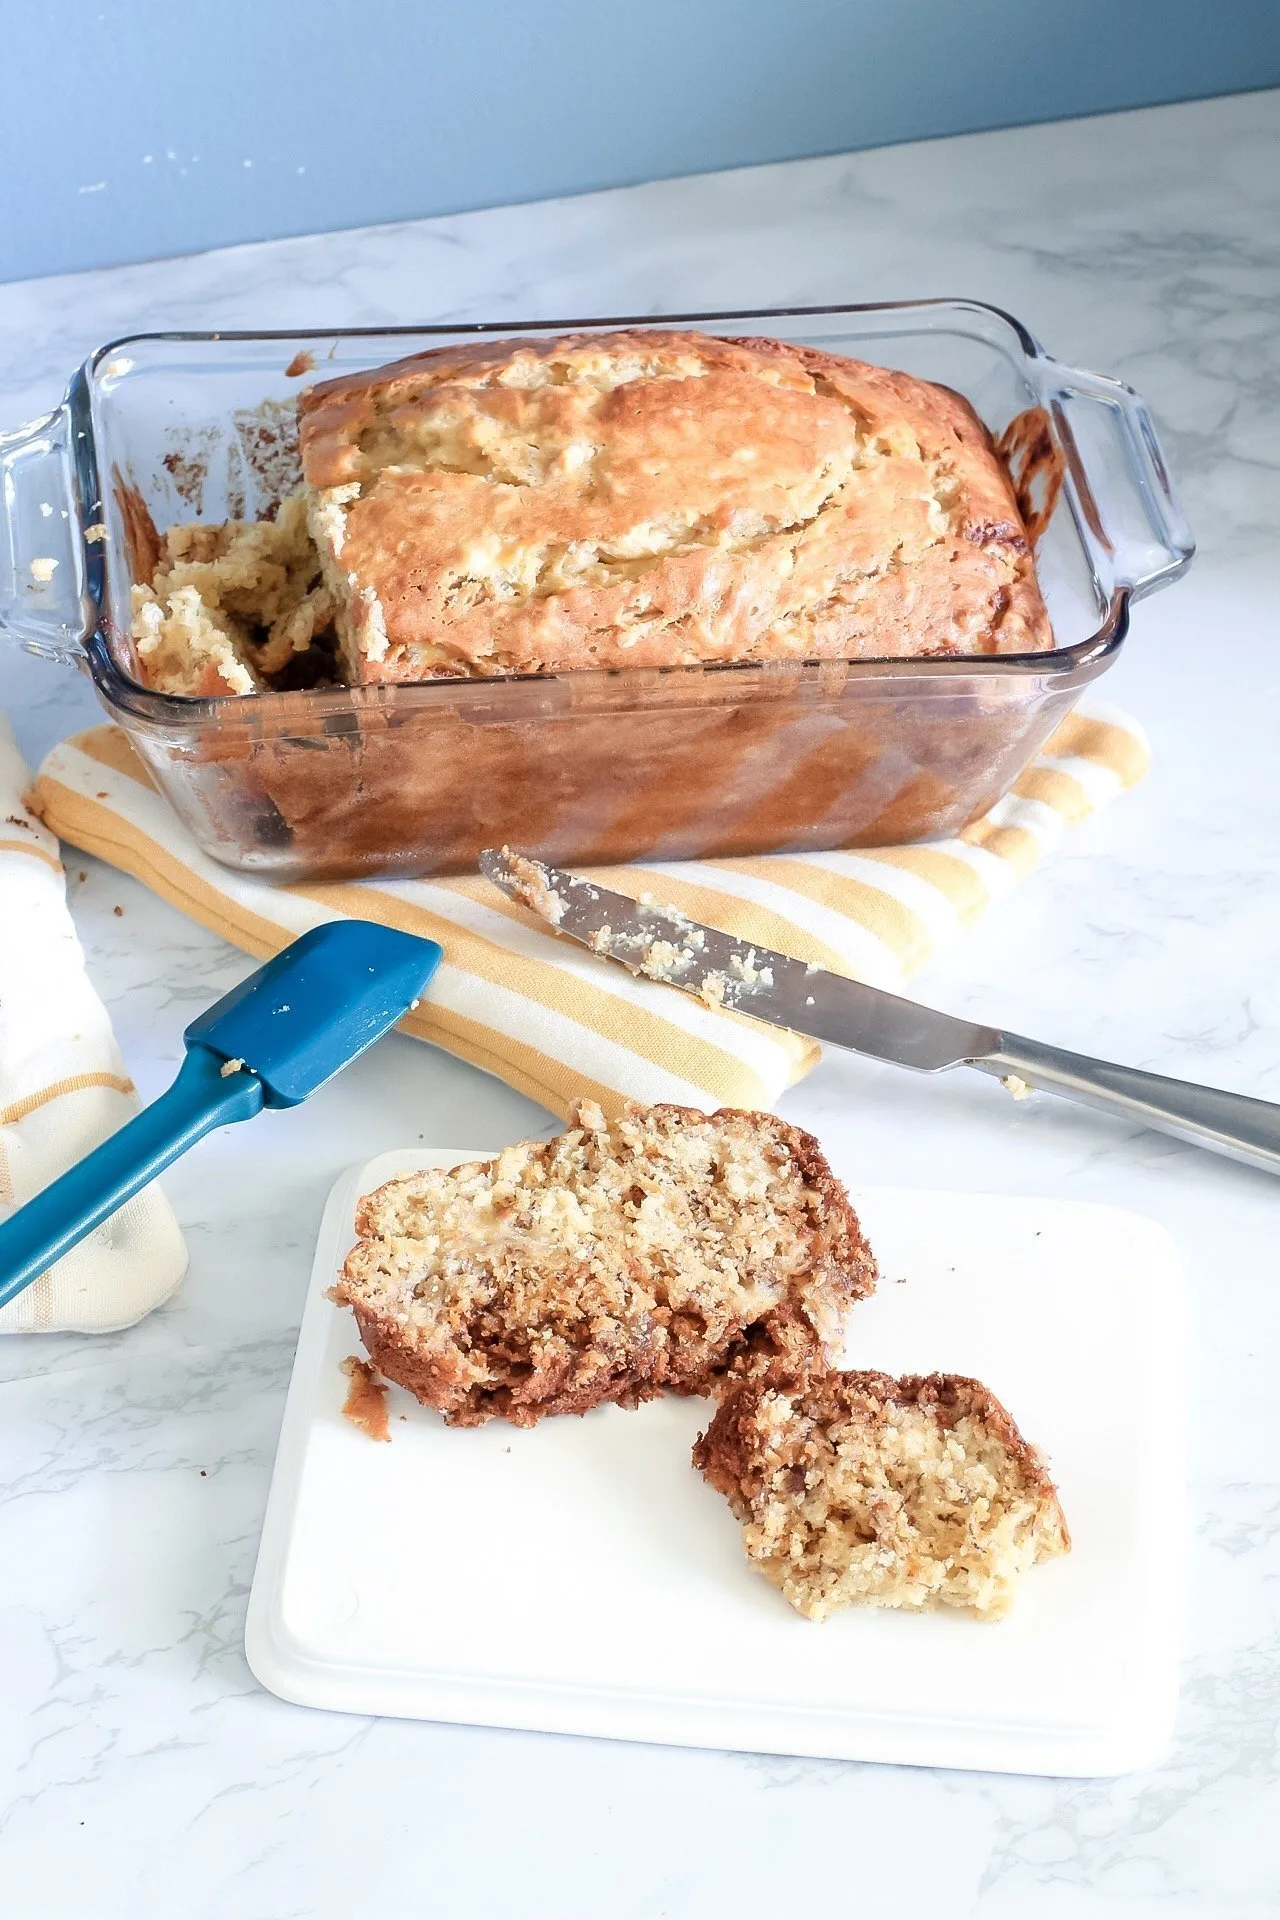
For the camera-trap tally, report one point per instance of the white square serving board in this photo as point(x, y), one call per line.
point(580, 1577)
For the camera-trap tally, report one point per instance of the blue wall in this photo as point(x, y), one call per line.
point(134, 128)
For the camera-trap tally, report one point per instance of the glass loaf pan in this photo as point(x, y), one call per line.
point(591, 767)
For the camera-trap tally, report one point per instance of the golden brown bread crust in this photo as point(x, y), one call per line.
point(546, 1323)
point(652, 499)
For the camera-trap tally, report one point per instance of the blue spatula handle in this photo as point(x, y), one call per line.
point(202, 1097)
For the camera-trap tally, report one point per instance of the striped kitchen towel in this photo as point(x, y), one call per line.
point(556, 1021)
point(64, 1088)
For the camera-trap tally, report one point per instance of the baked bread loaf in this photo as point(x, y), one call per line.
point(643, 500)
point(657, 499)
point(612, 1263)
point(857, 1489)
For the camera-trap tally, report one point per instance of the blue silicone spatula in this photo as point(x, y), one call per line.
point(270, 1042)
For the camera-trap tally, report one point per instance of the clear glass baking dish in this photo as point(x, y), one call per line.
point(589, 767)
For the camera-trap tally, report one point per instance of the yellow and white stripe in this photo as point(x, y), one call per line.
point(556, 1021)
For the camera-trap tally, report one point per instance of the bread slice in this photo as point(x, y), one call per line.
point(855, 1489)
point(612, 1263)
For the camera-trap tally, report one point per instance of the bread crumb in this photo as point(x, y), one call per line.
point(748, 972)
point(43, 569)
point(662, 960)
point(531, 887)
point(229, 1067)
point(366, 1403)
point(1014, 1083)
point(302, 362)
point(96, 533)
point(118, 912)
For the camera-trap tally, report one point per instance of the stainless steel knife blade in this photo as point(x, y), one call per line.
point(662, 944)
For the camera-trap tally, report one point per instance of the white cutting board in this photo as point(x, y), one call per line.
point(580, 1577)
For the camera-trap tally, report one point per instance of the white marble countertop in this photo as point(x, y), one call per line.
point(142, 1771)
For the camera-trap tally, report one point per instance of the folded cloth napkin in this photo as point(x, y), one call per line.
point(555, 1021)
point(63, 1088)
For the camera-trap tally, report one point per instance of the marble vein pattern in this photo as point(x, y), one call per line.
point(142, 1772)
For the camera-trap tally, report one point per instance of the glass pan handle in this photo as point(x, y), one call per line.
point(1121, 480)
point(45, 600)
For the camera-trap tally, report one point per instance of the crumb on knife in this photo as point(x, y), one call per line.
point(531, 887)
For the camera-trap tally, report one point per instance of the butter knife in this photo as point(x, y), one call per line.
point(662, 944)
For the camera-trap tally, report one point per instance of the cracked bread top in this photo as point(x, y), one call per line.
point(656, 499)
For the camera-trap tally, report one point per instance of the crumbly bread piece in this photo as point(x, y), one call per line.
point(855, 1489)
point(656, 499)
point(229, 606)
point(609, 1264)
point(183, 646)
point(366, 1403)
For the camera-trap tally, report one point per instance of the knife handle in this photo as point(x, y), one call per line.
point(202, 1097)
point(1228, 1123)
